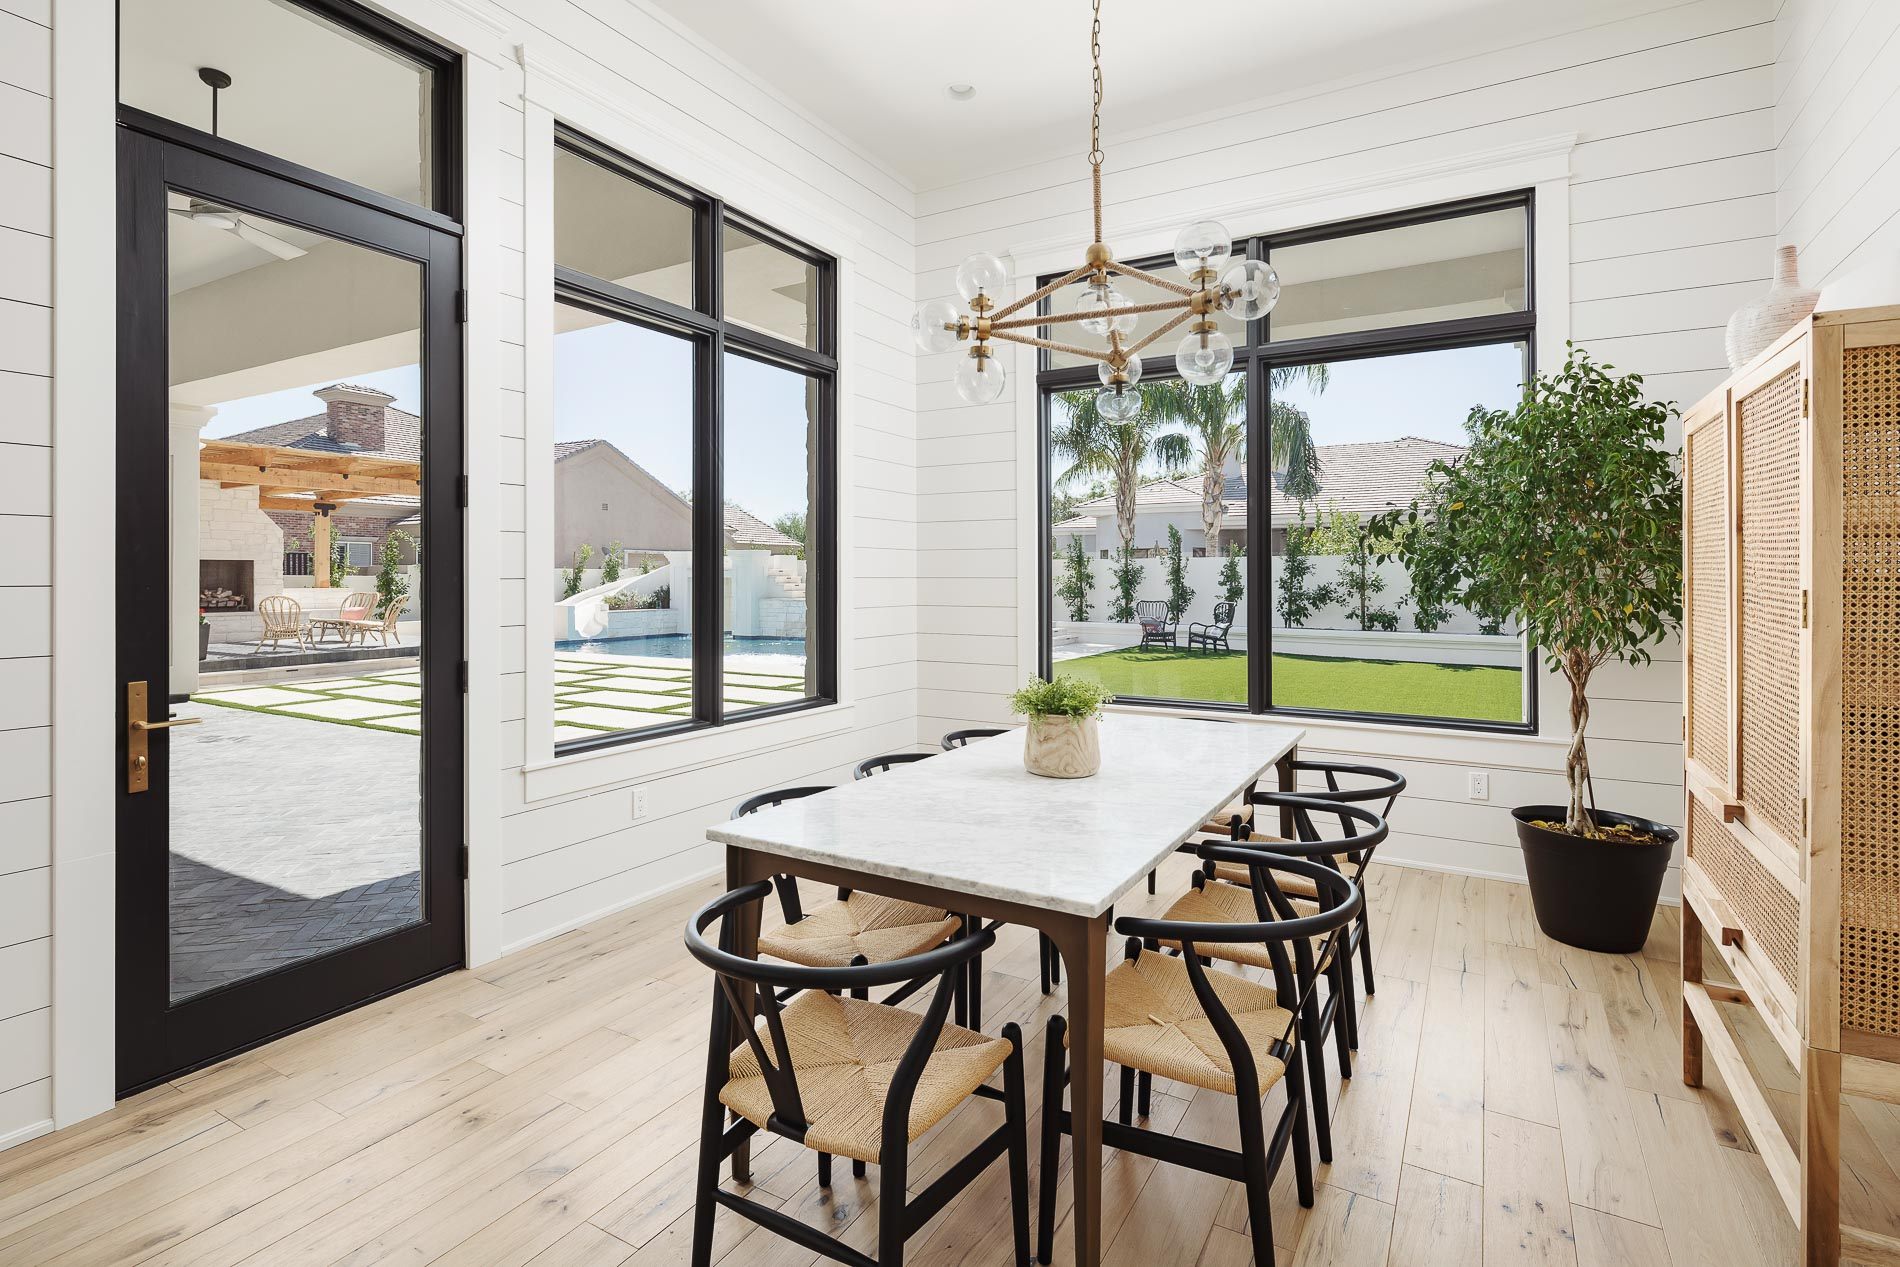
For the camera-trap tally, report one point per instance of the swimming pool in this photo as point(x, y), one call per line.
point(680, 647)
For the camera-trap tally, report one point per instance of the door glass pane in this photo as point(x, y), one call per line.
point(1167, 618)
point(1348, 633)
point(1466, 266)
point(613, 227)
point(1157, 356)
point(621, 579)
point(771, 427)
point(770, 290)
point(294, 597)
point(301, 87)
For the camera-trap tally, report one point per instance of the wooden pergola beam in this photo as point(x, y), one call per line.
point(312, 480)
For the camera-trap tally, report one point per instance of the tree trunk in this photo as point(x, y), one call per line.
point(1576, 758)
point(1127, 485)
point(1212, 507)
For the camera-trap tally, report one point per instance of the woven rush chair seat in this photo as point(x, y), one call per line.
point(880, 929)
point(1155, 1023)
point(1222, 824)
point(1291, 885)
point(844, 1051)
point(1230, 904)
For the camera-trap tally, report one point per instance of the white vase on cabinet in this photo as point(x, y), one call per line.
point(1759, 324)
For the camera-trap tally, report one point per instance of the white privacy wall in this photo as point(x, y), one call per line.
point(26, 567)
point(1672, 217)
point(1837, 135)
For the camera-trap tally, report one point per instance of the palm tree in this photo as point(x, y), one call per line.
point(1291, 431)
point(1102, 448)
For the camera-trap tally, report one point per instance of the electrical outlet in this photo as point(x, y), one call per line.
point(639, 804)
point(1478, 785)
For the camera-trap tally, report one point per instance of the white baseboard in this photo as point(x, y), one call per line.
point(612, 908)
point(1671, 891)
point(22, 1134)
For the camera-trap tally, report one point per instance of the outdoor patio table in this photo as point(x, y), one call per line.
point(972, 831)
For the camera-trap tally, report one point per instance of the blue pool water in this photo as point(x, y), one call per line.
point(680, 646)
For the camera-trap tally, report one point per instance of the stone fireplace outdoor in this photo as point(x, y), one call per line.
point(227, 585)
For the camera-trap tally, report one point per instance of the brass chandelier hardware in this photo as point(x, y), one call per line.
point(1244, 289)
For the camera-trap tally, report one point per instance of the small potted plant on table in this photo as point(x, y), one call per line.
point(1063, 740)
point(1565, 513)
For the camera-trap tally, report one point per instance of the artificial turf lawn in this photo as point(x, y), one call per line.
point(1474, 692)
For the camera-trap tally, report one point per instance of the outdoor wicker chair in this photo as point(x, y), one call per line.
point(1210, 637)
point(357, 605)
point(1157, 626)
point(282, 618)
point(382, 627)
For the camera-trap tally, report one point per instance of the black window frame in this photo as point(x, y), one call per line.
point(713, 335)
point(1255, 358)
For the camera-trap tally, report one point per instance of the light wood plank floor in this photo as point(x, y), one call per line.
point(1515, 1101)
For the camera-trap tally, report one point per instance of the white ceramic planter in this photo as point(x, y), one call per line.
point(1063, 747)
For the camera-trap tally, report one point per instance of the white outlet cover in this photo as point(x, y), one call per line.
point(1478, 785)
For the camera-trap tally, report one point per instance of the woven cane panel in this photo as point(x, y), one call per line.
point(1769, 778)
point(1870, 690)
point(1708, 599)
point(1770, 916)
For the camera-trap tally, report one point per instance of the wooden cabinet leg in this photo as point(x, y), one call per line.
point(1690, 956)
point(1820, 1158)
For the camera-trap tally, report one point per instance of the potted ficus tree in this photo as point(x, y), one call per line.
point(1565, 514)
point(1064, 740)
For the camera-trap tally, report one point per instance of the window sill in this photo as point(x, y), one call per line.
point(1393, 739)
point(640, 760)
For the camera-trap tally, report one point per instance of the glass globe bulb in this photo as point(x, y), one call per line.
point(979, 379)
point(1098, 297)
point(934, 326)
point(1131, 372)
point(981, 274)
point(1251, 288)
point(1205, 359)
point(1118, 405)
point(1205, 244)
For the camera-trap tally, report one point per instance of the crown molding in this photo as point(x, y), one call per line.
point(1490, 170)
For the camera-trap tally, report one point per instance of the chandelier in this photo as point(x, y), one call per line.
point(1244, 289)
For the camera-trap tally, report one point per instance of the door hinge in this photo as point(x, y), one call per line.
point(461, 307)
point(465, 862)
point(461, 492)
point(1804, 609)
point(1804, 816)
point(1805, 386)
point(461, 677)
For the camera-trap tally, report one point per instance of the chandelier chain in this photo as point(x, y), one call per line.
point(1095, 116)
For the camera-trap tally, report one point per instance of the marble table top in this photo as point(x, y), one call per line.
point(974, 821)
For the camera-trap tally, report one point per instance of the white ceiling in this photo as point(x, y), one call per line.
point(875, 71)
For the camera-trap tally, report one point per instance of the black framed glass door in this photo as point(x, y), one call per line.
point(289, 602)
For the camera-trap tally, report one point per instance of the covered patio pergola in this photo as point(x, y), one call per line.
point(311, 481)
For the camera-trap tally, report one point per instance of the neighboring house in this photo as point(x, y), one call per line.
point(1361, 479)
point(602, 496)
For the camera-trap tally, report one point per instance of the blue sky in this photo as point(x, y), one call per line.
point(1425, 394)
point(633, 387)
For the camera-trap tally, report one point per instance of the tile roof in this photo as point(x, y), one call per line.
point(1361, 479)
point(402, 435)
point(742, 527)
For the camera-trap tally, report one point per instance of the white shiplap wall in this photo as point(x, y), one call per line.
point(26, 624)
point(1837, 136)
point(1671, 207)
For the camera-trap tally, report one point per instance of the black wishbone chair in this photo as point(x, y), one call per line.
point(1263, 873)
point(878, 765)
point(961, 738)
point(1172, 1016)
point(842, 1075)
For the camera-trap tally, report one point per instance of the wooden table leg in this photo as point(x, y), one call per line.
point(742, 868)
point(1084, 947)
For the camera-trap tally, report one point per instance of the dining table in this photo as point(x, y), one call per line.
point(974, 832)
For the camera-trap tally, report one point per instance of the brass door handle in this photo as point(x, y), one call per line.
point(166, 725)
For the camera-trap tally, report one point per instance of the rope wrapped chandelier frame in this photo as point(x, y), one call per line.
point(1244, 289)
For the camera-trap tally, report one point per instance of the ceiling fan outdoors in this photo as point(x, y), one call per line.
point(214, 216)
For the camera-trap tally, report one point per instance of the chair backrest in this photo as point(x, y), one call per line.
point(1362, 785)
point(1224, 614)
point(765, 800)
point(877, 765)
point(748, 988)
point(392, 612)
point(1279, 927)
point(1360, 830)
point(961, 738)
point(356, 605)
point(1151, 611)
point(280, 613)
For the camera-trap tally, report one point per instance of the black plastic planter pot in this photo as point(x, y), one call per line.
point(1594, 894)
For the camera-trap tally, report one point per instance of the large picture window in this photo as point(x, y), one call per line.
point(695, 384)
point(1386, 336)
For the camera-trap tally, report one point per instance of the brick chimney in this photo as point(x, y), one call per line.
point(355, 414)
